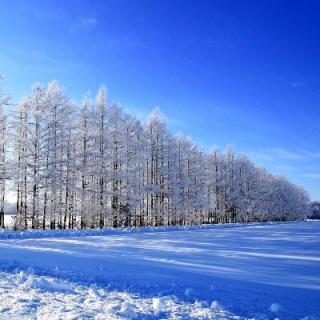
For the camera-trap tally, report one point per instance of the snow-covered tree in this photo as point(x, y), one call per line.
point(97, 166)
point(4, 100)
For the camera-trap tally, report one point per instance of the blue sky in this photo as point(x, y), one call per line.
point(245, 73)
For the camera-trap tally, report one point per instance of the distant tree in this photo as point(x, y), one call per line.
point(315, 210)
point(4, 100)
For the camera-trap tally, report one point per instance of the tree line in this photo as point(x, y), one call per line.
point(97, 166)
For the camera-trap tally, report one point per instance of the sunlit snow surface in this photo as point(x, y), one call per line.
point(213, 272)
point(40, 297)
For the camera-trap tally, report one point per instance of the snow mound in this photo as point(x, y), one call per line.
point(48, 284)
point(216, 305)
point(158, 305)
point(275, 307)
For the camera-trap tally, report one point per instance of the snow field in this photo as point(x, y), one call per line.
point(263, 272)
point(27, 296)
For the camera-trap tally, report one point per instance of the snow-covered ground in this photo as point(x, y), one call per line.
point(268, 271)
point(26, 296)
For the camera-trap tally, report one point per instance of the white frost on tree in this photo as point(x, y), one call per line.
point(97, 166)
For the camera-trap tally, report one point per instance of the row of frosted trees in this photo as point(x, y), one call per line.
point(96, 166)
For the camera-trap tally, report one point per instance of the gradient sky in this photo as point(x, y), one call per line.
point(245, 73)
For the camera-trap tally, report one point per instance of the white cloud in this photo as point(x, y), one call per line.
point(312, 154)
point(284, 167)
point(312, 175)
point(89, 22)
point(277, 153)
point(84, 24)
